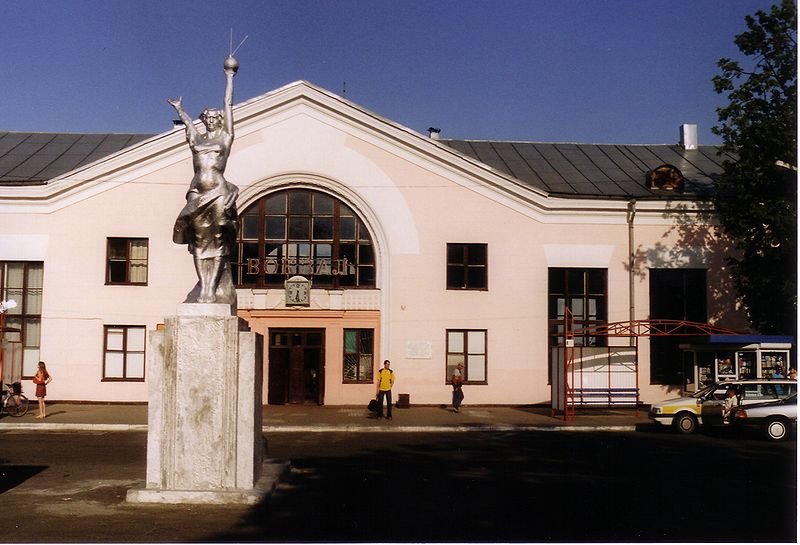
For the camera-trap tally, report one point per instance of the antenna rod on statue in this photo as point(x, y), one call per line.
point(231, 51)
point(240, 45)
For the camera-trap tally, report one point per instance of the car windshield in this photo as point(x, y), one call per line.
point(708, 389)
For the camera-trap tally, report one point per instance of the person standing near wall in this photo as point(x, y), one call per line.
point(385, 383)
point(457, 380)
point(41, 379)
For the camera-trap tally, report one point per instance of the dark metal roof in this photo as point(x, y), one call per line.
point(558, 169)
point(31, 158)
point(597, 170)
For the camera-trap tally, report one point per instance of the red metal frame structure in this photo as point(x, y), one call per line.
point(569, 361)
point(2, 349)
point(632, 330)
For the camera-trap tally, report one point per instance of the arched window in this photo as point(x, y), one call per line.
point(302, 232)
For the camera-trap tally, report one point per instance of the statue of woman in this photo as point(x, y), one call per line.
point(208, 222)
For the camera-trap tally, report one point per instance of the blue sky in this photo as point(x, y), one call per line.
point(603, 71)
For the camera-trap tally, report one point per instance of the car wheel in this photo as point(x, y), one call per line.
point(685, 423)
point(775, 429)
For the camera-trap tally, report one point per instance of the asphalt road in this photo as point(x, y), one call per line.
point(535, 486)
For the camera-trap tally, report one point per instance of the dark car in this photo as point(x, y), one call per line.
point(776, 420)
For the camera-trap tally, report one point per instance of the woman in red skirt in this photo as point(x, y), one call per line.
point(41, 379)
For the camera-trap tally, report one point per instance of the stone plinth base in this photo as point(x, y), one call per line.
point(271, 473)
point(204, 406)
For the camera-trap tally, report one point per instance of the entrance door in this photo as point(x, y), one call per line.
point(296, 366)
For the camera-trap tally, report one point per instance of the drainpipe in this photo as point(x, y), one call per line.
point(631, 264)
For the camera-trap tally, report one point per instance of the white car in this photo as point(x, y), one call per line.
point(777, 421)
point(706, 405)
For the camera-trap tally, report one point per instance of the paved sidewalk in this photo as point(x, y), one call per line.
point(64, 416)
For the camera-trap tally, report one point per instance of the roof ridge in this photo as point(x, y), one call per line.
point(566, 143)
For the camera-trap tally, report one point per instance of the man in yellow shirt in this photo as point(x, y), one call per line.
point(385, 383)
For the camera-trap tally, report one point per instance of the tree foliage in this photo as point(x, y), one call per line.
point(756, 196)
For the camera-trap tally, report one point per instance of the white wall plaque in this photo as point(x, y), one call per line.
point(419, 350)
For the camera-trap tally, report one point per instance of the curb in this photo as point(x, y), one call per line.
point(71, 427)
point(439, 429)
point(56, 428)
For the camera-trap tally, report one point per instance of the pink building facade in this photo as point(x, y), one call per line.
point(423, 251)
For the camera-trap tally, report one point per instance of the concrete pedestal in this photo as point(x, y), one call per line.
point(204, 440)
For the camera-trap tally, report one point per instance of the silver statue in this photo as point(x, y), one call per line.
point(208, 222)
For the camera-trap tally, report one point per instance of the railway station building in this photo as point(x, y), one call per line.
point(416, 248)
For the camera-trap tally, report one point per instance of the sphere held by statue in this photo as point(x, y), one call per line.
point(231, 64)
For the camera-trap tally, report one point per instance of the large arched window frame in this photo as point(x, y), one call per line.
point(303, 232)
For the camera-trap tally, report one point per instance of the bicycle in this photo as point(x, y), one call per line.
point(15, 403)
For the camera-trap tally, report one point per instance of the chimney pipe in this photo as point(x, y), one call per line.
point(689, 136)
point(434, 133)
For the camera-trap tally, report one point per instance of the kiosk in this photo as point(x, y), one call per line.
point(735, 357)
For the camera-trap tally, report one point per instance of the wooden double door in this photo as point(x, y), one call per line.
point(296, 366)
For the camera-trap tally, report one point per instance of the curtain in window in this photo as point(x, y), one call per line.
point(135, 366)
point(30, 358)
point(12, 348)
point(33, 332)
point(365, 367)
point(135, 339)
point(139, 261)
point(476, 359)
point(115, 365)
point(33, 296)
point(350, 364)
point(15, 280)
point(115, 338)
point(350, 341)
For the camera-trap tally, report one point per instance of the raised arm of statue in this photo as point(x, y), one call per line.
point(191, 132)
point(231, 66)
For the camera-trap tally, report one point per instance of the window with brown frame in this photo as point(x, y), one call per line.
point(23, 283)
point(126, 261)
point(303, 232)
point(469, 347)
point(358, 360)
point(467, 266)
point(123, 353)
point(584, 292)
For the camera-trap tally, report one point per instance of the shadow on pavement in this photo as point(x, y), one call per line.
point(12, 476)
point(525, 487)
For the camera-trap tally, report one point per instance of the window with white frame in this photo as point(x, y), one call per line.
point(467, 346)
point(123, 353)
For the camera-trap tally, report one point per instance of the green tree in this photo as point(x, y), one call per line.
point(756, 196)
